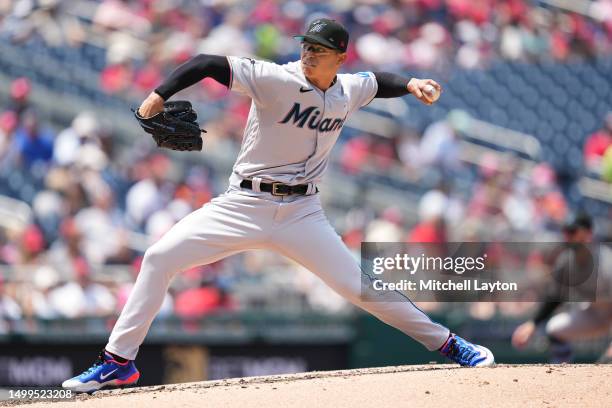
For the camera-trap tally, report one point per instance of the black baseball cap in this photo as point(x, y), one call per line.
point(329, 33)
point(578, 220)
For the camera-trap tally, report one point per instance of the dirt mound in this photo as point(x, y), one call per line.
point(417, 386)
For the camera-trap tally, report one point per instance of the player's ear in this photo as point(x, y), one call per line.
point(341, 58)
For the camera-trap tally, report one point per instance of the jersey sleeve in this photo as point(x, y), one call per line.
point(259, 80)
point(362, 88)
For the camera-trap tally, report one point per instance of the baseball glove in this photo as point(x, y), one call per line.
point(175, 128)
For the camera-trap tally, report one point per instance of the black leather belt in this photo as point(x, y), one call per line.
point(277, 189)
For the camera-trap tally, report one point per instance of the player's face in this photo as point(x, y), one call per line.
point(318, 59)
point(578, 235)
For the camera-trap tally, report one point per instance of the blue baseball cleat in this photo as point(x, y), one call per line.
point(465, 353)
point(105, 372)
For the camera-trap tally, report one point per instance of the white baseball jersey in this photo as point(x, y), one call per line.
point(292, 125)
point(291, 129)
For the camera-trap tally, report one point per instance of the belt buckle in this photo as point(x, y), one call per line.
point(275, 192)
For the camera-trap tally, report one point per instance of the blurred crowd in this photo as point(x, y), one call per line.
point(93, 208)
point(145, 38)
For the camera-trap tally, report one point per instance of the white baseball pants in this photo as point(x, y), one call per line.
point(587, 321)
point(293, 226)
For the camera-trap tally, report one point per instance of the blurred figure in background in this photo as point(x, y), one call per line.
point(32, 142)
point(575, 265)
point(596, 145)
point(432, 224)
point(21, 89)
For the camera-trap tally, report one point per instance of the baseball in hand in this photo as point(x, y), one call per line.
point(431, 93)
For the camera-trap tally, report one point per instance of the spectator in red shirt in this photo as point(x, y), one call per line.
point(597, 144)
point(432, 226)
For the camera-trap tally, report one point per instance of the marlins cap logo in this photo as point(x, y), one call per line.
point(316, 28)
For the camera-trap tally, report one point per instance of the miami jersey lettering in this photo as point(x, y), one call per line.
point(292, 125)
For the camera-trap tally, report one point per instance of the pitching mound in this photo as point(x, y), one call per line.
point(416, 386)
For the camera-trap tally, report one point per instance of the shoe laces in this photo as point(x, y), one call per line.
point(99, 361)
point(462, 352)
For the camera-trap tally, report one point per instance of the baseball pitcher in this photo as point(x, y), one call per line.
point(297, 113)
